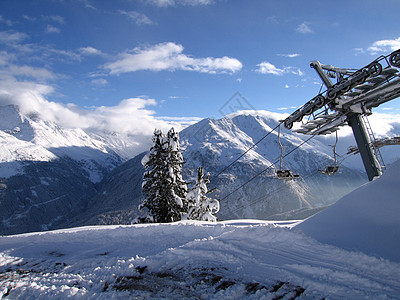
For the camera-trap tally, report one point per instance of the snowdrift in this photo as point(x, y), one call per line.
point(367, 219)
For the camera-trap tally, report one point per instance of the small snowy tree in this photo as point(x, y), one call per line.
point(201, 207)
point(163, 186)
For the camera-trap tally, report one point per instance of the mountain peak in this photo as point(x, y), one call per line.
point(10, 117)
point(12, 121)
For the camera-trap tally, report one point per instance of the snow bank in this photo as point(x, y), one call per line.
point(190, 260)
point(367, 220)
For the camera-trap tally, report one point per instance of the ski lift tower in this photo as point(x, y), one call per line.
point(349, 101)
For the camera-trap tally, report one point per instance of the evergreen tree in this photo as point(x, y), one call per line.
point(200, 207)
point(163, 186)
point(175, 162)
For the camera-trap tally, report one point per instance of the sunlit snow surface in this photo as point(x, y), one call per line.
point(367, 219)
point(235, 260)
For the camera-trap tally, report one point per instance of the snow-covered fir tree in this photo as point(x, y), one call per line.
point(163, 186)
point(201, 207)
point(175, 162)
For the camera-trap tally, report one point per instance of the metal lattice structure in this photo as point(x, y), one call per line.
point(345, 102)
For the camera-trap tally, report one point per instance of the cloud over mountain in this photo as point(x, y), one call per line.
point(129, 116)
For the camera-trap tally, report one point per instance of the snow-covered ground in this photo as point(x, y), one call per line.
point(230, 260)
point(235, 260)
point(367, 219)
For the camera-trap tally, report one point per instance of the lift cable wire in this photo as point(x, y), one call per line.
point(263, 197)
point(244, 153)
point(303, 177)
point(269, 167)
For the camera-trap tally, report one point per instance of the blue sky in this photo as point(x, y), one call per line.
point(183, 58)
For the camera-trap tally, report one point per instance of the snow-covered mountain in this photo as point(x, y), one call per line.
point(28, 138)
point(47, 173)
point(53, 177)
point(214, 144)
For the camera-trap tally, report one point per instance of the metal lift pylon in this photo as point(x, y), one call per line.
point(348, 101)
point(355, 121)
point(364, 144)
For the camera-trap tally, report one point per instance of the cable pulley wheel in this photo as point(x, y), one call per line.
point(331, 94)
point(394, 59)
point(374, 69)
point(309, 108)
point(347, 88)
point(319, 101)
point(288, 124)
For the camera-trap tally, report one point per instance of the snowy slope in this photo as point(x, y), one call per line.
point(15, 153)
point(365, 220)
point(233, 260)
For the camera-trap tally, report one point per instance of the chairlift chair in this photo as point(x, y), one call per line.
point(282, 173)
point(286, 175)
point(331, 170)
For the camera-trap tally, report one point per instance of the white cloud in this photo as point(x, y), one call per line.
point(58, 19)
point(383, 123)
point(164, 3)
point(272, 19)
point(384, 46)
point(6, 58)
point(52, 29)
point(7, 22)
point(9, 69)
point(87, 4)
point(28, 71)
point(90, 51)
point(28, 18)
point(268, 68)
point(304, 28)
point(130, 116)
point(169, 56)
point(7, 37)
point(138, 18)
point(289, 55)
point(99, 82)
point(358, 51)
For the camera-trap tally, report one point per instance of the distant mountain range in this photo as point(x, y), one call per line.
point(53, 177)
point(214, 144)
